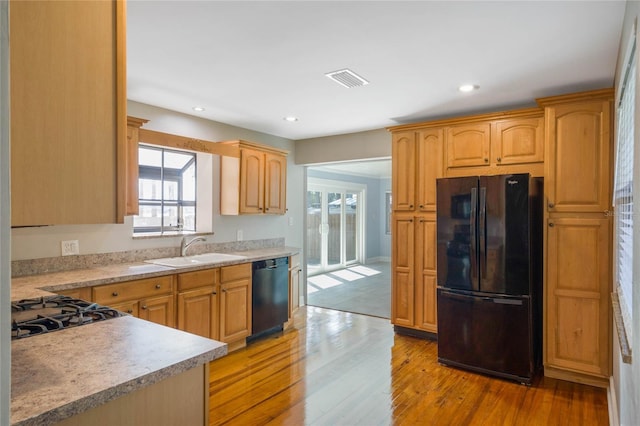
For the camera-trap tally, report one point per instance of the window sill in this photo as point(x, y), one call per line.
point(625, 347)
point(171, 234)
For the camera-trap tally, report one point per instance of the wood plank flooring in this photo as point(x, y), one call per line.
point(338, 368)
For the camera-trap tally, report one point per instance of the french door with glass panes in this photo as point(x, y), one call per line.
point(335, 225)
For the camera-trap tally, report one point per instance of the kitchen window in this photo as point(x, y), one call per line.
point(623, 196)
point(167, 191)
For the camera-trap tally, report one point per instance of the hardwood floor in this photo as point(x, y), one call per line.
point(338, 368)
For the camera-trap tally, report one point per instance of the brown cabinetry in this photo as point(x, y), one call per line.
point(256, 182)
point(197, 307)
point(579, 236)
point(517, 141)
point(468, 145)
point(417, 161)
point(235, 303)
point(68, 112)
point(294, 284)
point(151, 298)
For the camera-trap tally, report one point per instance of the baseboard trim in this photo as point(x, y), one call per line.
point(378, 259)
point(576, 377)
point(612, 402)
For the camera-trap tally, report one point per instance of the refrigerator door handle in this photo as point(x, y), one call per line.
point(472, 230)
point(482, 232)
point(508, 301)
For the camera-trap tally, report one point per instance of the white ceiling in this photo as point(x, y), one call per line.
point(252, 63)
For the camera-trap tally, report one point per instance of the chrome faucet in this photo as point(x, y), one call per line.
point(184, 245)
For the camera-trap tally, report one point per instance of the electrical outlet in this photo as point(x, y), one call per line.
point(70, 247)
point(239, 235)
point(290, 220)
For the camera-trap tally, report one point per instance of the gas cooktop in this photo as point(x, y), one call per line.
point(30, 317)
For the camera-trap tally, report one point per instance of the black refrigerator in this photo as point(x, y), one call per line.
point(489, 296)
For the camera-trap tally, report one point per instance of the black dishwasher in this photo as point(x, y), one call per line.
point(270, 296)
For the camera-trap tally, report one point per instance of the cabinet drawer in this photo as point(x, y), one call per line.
point(115, 293)
point(294, 261)
point(191, 280)
point(236, 272)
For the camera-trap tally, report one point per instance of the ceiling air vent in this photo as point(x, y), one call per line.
point(347, 78)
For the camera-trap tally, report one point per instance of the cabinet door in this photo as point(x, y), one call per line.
point(425, 274)
point(235, 310)
point(68, 118)
point(275, 196)
point(429, 167)
point(251, 181)
point(83, 293)
point(518, 141)
point(468, 145)
point(577, 177)
point(159, 310)
point(198, 312)
point(578, 288)
point(127, 307)
point(403, 159)
point(402, 294)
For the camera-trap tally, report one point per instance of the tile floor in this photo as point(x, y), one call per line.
point(362, 289)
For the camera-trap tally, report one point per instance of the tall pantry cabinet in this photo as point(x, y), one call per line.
point(578, 181)
point(417, 159)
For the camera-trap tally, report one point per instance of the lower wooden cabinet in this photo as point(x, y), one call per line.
point(294, 284)
point(578, 319)
point(413, 302)
point(198, 298)
point(235, 303)
point(150, 298)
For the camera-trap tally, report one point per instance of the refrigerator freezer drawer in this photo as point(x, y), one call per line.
point(486, 333)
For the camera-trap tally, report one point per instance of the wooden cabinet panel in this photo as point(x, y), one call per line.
point(198, 312)
point(256, 183)
point(251, 181)
point(430, 167)
point(116, 293)
point(468, 145)
point(518, 141)
point(578, 160)
point(578, 288)
point(235, 310)
point(294, 284)
point(68, 111)
point(402, 303)
point(425, 297)
point(197, 279)
point(159, 310)
point(403, 151)
point(130, 307)
point(83, 293)
point(275, 184)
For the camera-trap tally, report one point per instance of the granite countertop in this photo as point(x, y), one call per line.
point(60, 374)
point(57, 375)
point(47, 284)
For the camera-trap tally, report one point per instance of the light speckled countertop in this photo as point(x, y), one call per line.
point(57, 375)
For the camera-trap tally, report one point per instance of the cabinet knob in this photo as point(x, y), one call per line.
point(410, 206)
point(498, 159)
point(422, 206)
point(410, 220)
point(144, 306)
point(267, 209)
point(551, 205)
point(224, 290)
point(114, 294)
point(551, 225)
point(215, 292)
point(158, 286)
point(129, 311)
point(486, 160)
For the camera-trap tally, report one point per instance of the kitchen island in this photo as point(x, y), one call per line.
point(121, 371)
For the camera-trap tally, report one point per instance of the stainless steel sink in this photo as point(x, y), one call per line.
point(195, 260)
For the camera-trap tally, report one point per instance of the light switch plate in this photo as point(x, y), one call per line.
point(239, 235)
point(70, 247)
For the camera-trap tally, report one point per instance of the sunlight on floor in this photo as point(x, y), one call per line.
point(336, 278)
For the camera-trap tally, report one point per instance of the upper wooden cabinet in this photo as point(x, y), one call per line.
point(517, 141)
point(68, 112)
point(256, 183)
point(416, 164)
point(577, 176)
point(468, 145)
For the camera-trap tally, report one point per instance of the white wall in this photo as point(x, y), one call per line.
point(5, 220)
point(32, 243)
point(353, 146)
point(626, 377)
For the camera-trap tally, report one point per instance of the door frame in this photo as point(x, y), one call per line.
point(329, 185)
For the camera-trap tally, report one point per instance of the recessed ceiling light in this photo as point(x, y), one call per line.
point(199, 109)
point(468, 87)
point(290, 119)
